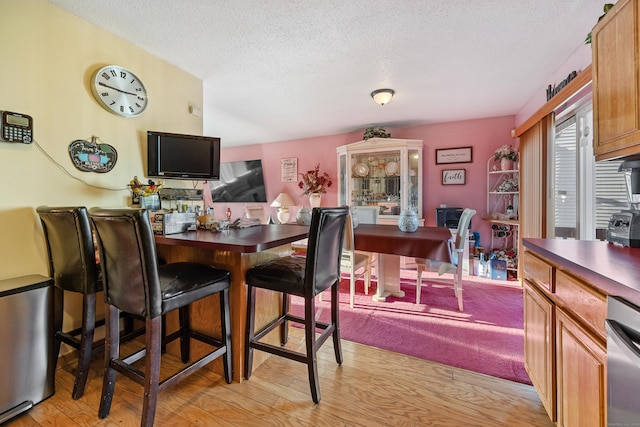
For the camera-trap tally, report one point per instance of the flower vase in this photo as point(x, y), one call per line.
point(506, 164)
point(314, 200)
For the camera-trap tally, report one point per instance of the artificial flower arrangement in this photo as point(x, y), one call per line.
point(508, 186)
point(314, 182)
point(505, 152)
point(375, 132)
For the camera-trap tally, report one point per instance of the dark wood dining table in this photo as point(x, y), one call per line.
point(391, 244)
point(235, 250)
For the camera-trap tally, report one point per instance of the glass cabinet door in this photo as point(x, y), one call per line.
point(414, 172)
point(342, 180)
point(376, 181)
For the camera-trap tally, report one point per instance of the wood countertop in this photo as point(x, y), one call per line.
point(613, 269)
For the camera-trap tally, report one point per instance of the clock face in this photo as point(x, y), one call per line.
point(119, 91)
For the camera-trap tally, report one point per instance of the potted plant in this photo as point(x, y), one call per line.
point(506, 155)
point(374, 132)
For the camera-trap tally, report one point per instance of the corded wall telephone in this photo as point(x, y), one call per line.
point(15, 127)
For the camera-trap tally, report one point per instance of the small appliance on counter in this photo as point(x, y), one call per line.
point(624, 226)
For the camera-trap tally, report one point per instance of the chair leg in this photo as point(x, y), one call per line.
point(311, 347)
point(86, 344)
point(249, 335)
point(284, 328)
point(152, 370)
point(352, 287)
point(367, 277)
point(58, 315)
point(419, 282)
point(335, 320)
point(183, 315)
point(111, 352)
point(457, 285)
point(225, 328)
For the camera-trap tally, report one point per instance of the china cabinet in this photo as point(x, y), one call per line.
point(382, 172)
point(503, 201)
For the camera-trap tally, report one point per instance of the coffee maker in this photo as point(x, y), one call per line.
point(624, 226)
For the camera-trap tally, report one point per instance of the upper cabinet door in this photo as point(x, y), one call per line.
point(616, 88)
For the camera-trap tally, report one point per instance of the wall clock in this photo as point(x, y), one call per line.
point(119, 91)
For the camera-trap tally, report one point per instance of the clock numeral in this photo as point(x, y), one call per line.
point(138, 105)
point(112, 102)
point(138, 89)
point(140, 98)
point(113, 73)
point(122, 108)
point(105, 76)
point(123, 74)
point(105, 94)
point(131, 110)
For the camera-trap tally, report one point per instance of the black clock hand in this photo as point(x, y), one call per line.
point(119, 90)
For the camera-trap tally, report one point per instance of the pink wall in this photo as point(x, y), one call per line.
point(484, 135)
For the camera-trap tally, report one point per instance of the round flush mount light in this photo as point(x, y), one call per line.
point(382, 96)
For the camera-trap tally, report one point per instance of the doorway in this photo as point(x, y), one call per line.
point(583, 193)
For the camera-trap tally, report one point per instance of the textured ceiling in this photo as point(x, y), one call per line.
point(285, 69)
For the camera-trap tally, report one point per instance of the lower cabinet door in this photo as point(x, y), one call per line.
point(539, 344)
point(581, 375)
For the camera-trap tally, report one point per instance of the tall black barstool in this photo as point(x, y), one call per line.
point(72, 265)
point(304, 277)
point(134, 283)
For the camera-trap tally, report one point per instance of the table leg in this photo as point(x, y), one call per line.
point(388, 277)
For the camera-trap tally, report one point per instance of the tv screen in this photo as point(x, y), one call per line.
point(176, 156)
point(241, 181)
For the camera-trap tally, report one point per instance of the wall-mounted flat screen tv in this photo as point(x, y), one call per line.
point(241, 181)
point(176, 156)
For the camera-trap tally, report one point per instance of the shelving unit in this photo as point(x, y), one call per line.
point(503, 202)
point(382, 172)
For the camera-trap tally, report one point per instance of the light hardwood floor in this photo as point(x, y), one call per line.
point(373, 387)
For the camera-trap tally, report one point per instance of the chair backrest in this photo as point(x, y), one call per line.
point(348, 243)
point(463, 227)
point(72, 256)
point(368, 214)
point(128, 260)
point(324, 248)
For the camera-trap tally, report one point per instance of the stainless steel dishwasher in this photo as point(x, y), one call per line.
point(27, 361)
point(623, 363)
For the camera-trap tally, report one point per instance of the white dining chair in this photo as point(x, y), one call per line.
point(456, 250)
point(353, 261)
point(368, 215)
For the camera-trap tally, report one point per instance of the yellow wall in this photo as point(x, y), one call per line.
point(48, 57)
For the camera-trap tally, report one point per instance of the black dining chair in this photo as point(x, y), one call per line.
point(72, 265)
point(135, 283)
point(304, 277)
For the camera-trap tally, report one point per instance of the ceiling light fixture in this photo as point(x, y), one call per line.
point(382, 96)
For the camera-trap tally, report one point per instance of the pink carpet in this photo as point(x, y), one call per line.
point(486, 338)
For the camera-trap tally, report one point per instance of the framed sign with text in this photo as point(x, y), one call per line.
point(289, 169)
point(454, 176)
point(454, 155)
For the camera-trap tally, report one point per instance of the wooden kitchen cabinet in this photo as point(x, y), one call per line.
point(539, 346)
point(581, 374)
point(564, 342)
point(616, 82)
